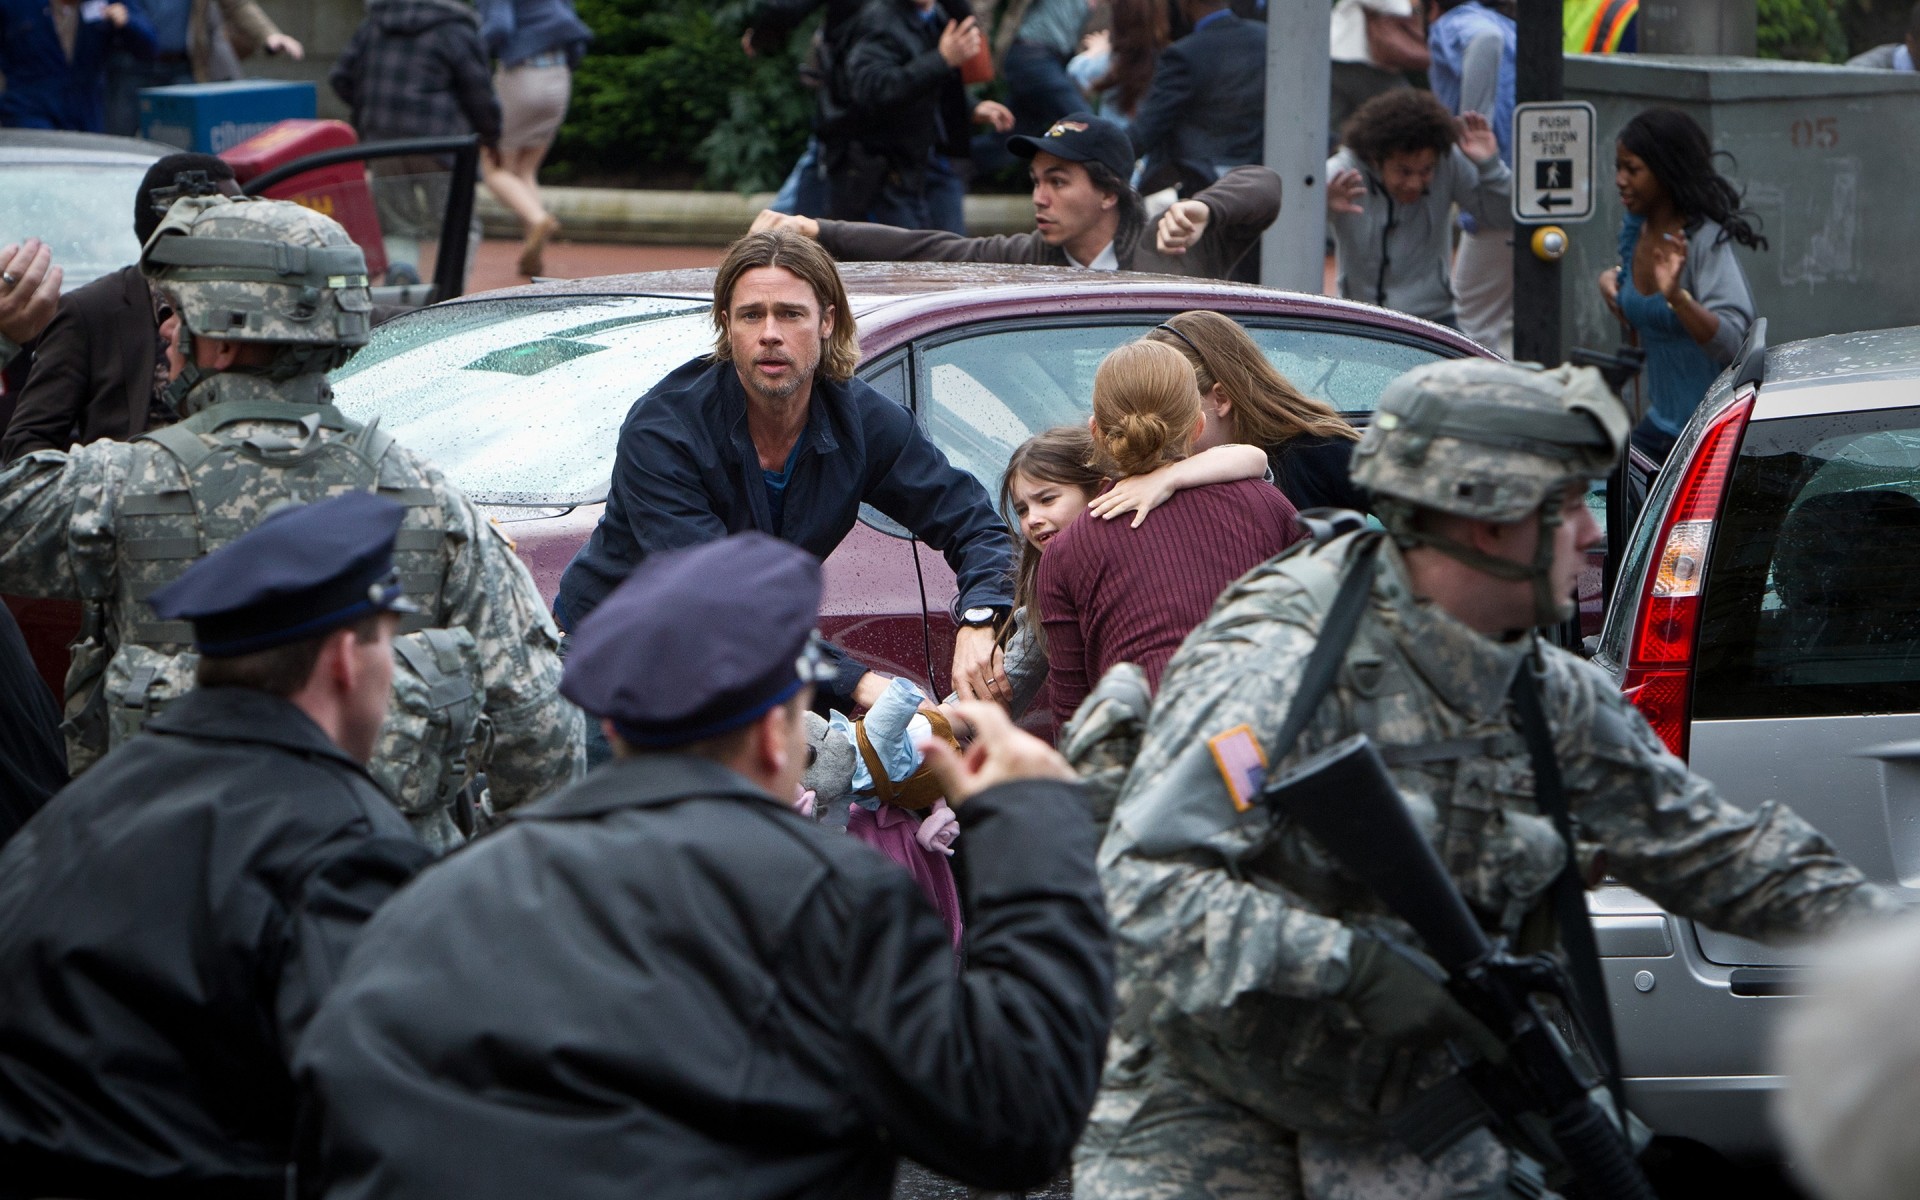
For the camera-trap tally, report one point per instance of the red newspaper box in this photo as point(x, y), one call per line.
point(339, 191)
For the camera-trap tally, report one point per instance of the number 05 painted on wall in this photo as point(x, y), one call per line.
point(1816, 133)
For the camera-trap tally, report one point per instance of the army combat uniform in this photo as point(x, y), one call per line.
point(1236, 1068)
point(476, 681)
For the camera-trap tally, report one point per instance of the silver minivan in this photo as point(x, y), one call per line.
point(1767, 623)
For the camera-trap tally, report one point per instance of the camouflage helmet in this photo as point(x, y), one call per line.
point(1489, 440)
point(263, 271)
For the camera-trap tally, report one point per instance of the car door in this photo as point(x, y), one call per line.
point(980, 390)
point(408, 204)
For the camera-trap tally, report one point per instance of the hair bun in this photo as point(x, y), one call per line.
point(1138, 442)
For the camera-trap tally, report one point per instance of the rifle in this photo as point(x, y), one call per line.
point(1345, 798)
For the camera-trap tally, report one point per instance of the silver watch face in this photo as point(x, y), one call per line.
point(977, 616)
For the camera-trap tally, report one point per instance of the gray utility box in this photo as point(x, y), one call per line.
point(1827, 157)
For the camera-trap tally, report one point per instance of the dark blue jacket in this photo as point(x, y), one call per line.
point(44, 90)
point(1206, 109)
point(687, 472)
point(516, 30)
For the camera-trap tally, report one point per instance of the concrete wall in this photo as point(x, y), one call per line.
point(323, 27)
point(1829, 157)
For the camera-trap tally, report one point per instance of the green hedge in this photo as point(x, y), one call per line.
point(665, 91)
point(1809, 30)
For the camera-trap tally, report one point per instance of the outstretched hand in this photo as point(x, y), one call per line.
point(1669, 260)
point(999, 753)
point(1345, 190)
point(769, 219)
point(960, 41)
point(995, 114)
point(1476, 137)
point(29, 290)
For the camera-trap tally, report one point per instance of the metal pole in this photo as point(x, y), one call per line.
point(1299, 76)
point(1536, 282)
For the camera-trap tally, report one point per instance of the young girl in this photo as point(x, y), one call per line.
point(1678, 284)
point(1049, 482)
point(1109, 592)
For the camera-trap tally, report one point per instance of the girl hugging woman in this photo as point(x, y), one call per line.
point(1115, 591)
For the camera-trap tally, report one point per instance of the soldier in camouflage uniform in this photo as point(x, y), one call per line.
point(1265, 1042)
point(269, 296)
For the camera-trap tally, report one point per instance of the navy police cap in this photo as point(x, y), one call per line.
point(700, 641)
point(304, 571)
point(1081, 137)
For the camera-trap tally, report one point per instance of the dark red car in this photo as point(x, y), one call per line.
point(519, 394)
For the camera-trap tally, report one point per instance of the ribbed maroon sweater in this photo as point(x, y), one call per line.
point(1109, 593)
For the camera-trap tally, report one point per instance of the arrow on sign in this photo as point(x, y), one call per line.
point(1550, 202)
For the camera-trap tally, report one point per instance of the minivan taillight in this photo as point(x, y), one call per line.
point(1660, 655)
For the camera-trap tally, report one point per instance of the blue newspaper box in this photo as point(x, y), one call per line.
point(212, 117)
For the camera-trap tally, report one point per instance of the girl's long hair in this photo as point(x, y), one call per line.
point(1677, 151)
point(1063, 456)
point(1267, 409)
point(1140, 32)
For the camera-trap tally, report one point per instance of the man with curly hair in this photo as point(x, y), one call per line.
point(1390, 192)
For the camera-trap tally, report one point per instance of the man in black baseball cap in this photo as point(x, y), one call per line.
point(1086, 214)
point(174, 915)
point(664, 977)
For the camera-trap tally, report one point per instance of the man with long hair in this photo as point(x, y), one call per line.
point(772, 432)
point(1085, 214)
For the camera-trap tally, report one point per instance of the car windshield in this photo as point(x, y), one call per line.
point(82, 211)
point(516, 400)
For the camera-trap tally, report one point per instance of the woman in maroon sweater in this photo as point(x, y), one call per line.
point(1111, 593)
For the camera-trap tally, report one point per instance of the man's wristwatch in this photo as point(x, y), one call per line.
point(981, 616)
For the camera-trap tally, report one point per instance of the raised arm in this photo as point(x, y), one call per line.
point(1762, 873)
point(1141, 494)
point(1482, 185)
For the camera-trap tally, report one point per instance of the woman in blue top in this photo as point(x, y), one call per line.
point(1678, 285)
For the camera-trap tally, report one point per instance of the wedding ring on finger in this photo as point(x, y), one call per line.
point(9, 278)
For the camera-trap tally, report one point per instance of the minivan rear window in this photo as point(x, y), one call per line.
point(1812, 604)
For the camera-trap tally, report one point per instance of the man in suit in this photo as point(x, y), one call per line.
point(99, 368)
point(1206, 109)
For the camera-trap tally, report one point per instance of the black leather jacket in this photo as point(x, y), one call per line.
point(899, 99)
point(663, 982)
point(171, 921)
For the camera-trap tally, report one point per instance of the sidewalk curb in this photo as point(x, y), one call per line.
point(694, 218)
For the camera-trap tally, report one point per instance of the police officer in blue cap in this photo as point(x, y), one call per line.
point(173, 917)
point(687, 988)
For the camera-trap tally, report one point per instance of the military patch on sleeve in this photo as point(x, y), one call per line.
point(1243, 765)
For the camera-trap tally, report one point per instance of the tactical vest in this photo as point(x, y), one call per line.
point(130, 664)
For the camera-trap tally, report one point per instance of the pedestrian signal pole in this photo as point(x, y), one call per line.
point(1536, 251)
point(1293, 252)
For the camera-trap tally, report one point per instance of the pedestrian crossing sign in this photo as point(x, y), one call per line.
point(1553, 162)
